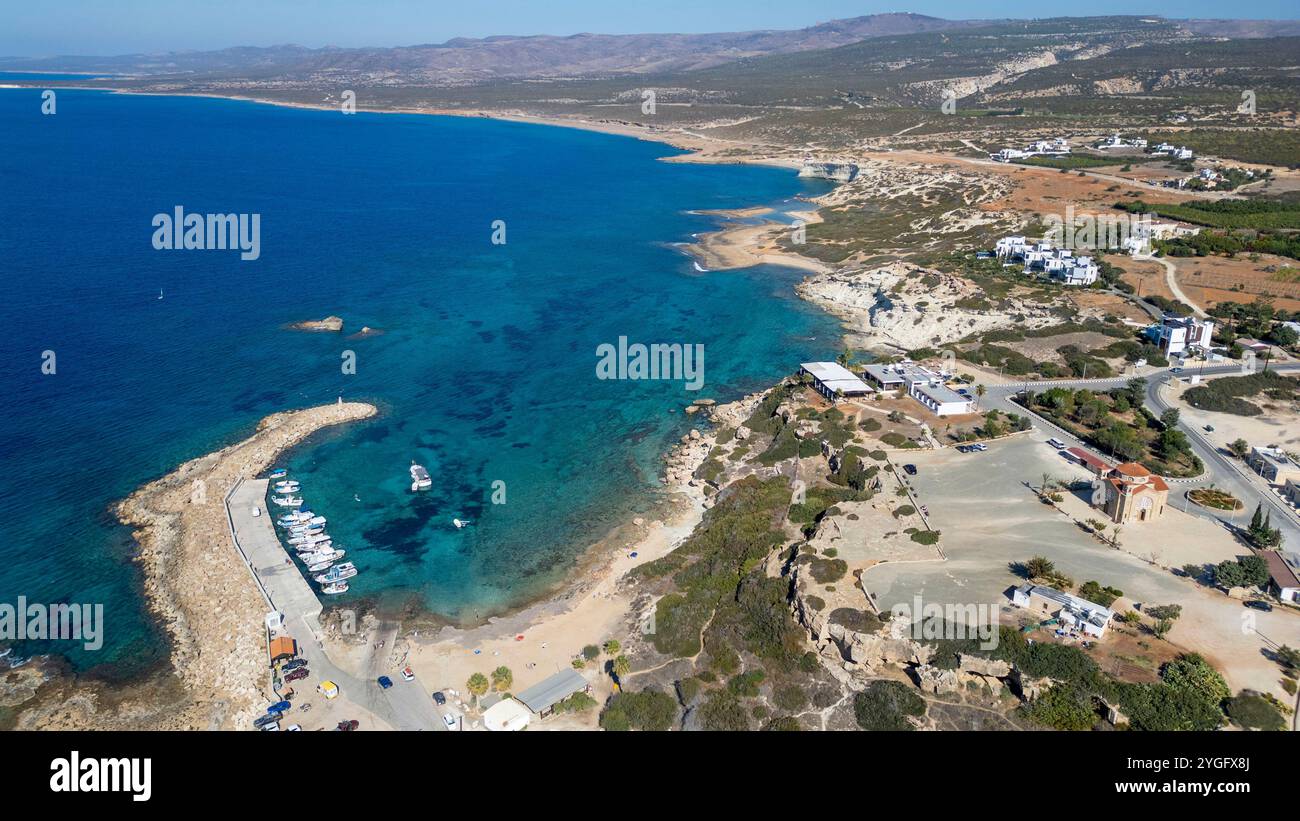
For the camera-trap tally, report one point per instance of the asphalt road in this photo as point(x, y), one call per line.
point(1222, 470)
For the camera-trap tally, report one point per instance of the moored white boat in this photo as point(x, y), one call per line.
point(337, 573)
point(287, 487)
point(279, 473)
point(420, 478)
point(329, 555)
point(319, 566)
point(287, 501)
point(334, 588)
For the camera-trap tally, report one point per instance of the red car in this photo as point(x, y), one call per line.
point(300, 673)
point(349, 725)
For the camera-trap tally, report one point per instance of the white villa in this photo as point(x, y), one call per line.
point(1177, 335)
point(1054, 146)
point(922, 384)
point(1116, 141)
point(1072, 611)
point(1040, 255)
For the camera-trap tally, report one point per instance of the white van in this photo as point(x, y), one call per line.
point(1056, 443)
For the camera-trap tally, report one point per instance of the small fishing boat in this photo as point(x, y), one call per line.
point(318, 567)
point(287, 487)
point(334, 588)
point(287, 501)
point(459, 523)
point(312, 548)
point(337, 573)
point(420, 478)
point(279, 473)
point(329, 555)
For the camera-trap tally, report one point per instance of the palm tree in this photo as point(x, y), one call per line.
point(477, 685)
point(980, 390)
point(502, 678)
point(621, 668)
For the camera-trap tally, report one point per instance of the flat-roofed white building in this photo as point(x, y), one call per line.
point(834, 381)
point(922, 384)
point(1175, 335)
point(1073, 612)
point(1273, 464)
point(942, 400)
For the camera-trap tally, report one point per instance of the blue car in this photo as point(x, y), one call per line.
point(280, 707)
point(385, 682)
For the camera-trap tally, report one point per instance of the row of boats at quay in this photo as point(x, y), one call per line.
point(305, 534)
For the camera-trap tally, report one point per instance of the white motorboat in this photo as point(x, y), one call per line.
point(420, 478)
point(279, 473)
point(287, 501)
point(459, 523)
point(329, 555)
point(317, 520)
point(337, 573)
point(318, 567)
point(314, 547)
point(287, 487)
point(309, 538)
point(334, 588)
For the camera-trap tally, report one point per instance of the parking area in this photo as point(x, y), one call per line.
point(984, 505)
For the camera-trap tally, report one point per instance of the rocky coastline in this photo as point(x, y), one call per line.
point(196, 585)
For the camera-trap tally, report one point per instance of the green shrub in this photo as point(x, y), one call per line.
point(886, 705)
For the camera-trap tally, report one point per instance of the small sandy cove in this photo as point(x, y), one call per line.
point(594, 609)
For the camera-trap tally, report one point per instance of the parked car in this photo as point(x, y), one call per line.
point(408, 674)
point(295, 675)
point(279, 707)
point(1209, 428)
point(294, 664)
point(385, 682)
point(963, 449)
point(439, 698)
point(347, 726)
point(294, 728)
point(273, 727)
point(980, 446)
point(1256, 604)
point(450, 721)
point(910, 469)
point(1056, 443)
point(262, 721)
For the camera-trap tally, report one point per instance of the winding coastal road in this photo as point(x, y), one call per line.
point(1221, 470)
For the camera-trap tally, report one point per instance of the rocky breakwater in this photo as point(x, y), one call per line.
point(198, 586)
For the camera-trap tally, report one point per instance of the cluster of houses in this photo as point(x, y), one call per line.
point(1117, 143)
point(1055, 147)
point(1040, 256)
point(928, 387)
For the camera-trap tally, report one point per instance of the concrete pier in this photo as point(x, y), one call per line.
point(405, 706)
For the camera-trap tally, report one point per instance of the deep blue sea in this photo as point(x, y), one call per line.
point(484, 372)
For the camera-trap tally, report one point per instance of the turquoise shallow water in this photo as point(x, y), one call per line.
point(484, 372)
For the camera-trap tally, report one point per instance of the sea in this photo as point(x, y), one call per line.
point(491, 261)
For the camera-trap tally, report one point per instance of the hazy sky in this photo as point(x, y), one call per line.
point(123, 26)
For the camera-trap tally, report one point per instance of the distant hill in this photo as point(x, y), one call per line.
point(467, 60)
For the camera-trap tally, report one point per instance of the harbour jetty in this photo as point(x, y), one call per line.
point(210, 605)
